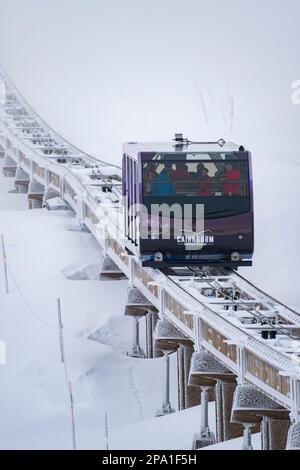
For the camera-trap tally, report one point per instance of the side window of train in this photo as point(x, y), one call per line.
point(132, 187)
point(135, 189)
point(128, 195)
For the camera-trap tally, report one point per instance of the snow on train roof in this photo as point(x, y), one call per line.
point(133, 148)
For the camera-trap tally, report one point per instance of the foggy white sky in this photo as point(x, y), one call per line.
point(104, 72)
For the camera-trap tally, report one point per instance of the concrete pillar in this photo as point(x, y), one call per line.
point(151, 320)
point(247, 437)
point(22, 181)
point(9, 172)
point(22, 189)
point(274, 433)
point(36, 194)
point(166, 407)
point(204, 411)
point(188, 396)
point(36, 204)
point(50, 194)
point(225, 430)
point(136, 350)
point(205, 437)
point(9, 167)
point(109, 269)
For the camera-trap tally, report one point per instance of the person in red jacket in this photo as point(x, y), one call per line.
point(204, 182)
point(231, 184)
point(181, 177)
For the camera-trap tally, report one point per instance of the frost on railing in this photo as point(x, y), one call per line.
point(90, 215)
point(218, 341)
point(54, 179)
point(38, 170)
point(70, 191)
point(25, 160)
point(118, 249)
point(177, 309)
point(145, 278)
point(268, 374)
point(11, 147)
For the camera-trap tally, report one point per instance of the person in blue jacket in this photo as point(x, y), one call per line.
point(162, 185)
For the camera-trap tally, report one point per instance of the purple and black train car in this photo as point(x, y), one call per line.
point(188, 203)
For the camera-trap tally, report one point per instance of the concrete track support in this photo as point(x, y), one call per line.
point(35, 195)
point(22, 181)
point(274, 433)
point(167, 339)
point(151, 320)
point(50, 194)
point(9, 167)
point(109, 269)
point(225, 429)
point(137, 306)
point(188, 395)
point(249, 408)
point(166, 406)
point(136, 350)
point(205, 437)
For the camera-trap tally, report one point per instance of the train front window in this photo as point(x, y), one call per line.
point(221, 185)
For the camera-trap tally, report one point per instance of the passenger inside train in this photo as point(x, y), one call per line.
point(195, 179)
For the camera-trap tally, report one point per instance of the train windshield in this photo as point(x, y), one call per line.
point(221, 185)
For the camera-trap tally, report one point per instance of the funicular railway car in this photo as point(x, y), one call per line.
point(188, 203)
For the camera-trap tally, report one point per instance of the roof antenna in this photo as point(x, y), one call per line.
point(180, 141)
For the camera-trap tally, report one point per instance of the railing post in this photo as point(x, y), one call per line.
point(295, 397)
point(293, 439)
point(105, 241)
point(160, 284)
point(131, 270)
point(242, 362)
point(161, 299)
point(198, 327)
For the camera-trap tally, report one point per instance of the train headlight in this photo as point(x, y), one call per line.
point(235, 256)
